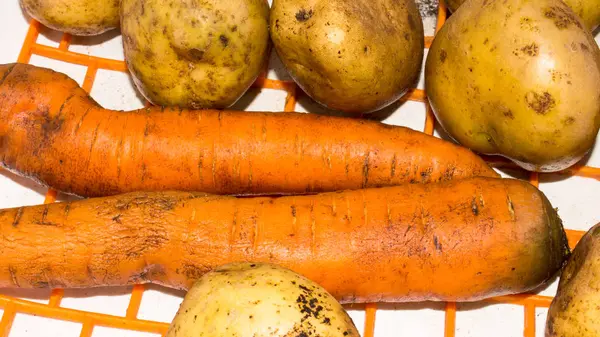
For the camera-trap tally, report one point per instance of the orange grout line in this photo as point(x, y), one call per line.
point(534, 179)
point(263, 82)
point(574, 236)
point(65, 42)
point(441, 18)
point(30, 38)
point(50, 196)
point(77, 58)
point(429, 120)
point(370, 311)
point(450, 321)
point(56, 297)
point(529, 330)
point(90, 76)
point(582, 171)
point(428, 41)
point(290, 100)
point(134, 302)
point(7, 319)
point(87, 328)
point(414, 94)
point(259, 82)
point(81, 316)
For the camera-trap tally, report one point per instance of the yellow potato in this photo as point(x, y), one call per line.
point(353, 56)
point(575, 311)
point(195, 53)
point(519, 78)
point(588, 10)
point(77, 17)
point(248, 300)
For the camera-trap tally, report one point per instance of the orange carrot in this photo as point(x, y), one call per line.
point(462, 240)
point(50, 130)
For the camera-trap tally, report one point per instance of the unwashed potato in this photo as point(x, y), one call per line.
point(518, 78)
point(195, 53)
point(248, 299)
point(588, 10)
point(352, 56)
point(575, 311)
point(77, 17)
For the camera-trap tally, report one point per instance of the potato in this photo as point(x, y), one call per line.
point(77, 17)
point(351, 56)
point(195, 53)
point(575, 311)
point(454, 4)
point(519, 78)
point(588, 10)
point(252, 299)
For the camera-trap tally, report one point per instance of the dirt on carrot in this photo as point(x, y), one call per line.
point(53, 132)
point(462, 240)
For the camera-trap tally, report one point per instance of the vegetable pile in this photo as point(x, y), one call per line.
point(271, 220)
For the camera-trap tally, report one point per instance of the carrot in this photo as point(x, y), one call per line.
point(462, 240)
point(52, 131)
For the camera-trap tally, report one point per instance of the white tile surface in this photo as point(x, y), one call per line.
point(107, 45)
point(29, 325)
point(406, 319)
point(256, 99)
point(160, 304)
point(101, 300)
point(358, 316)
point(476, 320)
point(576, 199)
point(115, 90)
point(76, 72)
point(101, 331)
point(540, 321)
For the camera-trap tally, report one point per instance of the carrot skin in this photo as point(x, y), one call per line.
point(53, 132)
point(462, 240)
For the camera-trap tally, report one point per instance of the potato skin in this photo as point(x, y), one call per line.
point(587, 10)
point(454, 4)
point(575, 311)
point(253, 299)
point(193, 53)
point(519, 78)
point(352, 56)
point(77, 17)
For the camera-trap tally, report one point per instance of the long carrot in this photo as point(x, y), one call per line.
point(462, 240)
point(52, 131)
